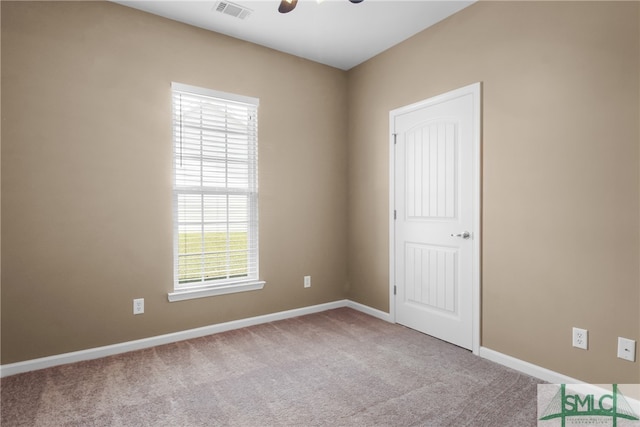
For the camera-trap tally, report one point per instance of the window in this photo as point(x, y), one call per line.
point(215, 196)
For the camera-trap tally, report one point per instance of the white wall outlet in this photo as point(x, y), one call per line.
point(138, 306)
point(627, 349)
point(307, 281)
point(580, 338)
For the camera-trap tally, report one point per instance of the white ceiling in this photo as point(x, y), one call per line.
point(335, 32)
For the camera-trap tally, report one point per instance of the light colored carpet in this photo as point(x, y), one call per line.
point(336, 368)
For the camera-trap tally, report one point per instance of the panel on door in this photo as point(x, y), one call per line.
point(430, 159)
point(431, 277)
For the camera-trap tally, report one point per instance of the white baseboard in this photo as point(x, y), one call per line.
point(110, 350)
point(527, 368)
point(545, 374)
point(373, 312)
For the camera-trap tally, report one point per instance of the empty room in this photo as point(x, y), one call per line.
point(307, 212)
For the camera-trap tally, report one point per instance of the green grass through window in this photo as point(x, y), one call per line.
point(218, 256)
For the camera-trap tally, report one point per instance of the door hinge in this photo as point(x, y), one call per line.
point(395, 214)
point(395, 138)
point(394, 289)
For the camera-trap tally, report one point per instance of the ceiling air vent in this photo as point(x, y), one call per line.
point(233, 9)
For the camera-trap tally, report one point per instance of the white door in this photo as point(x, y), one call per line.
point(436, 231)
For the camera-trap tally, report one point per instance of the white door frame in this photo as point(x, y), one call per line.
point(475, 90)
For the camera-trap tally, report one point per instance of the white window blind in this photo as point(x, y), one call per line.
point(215, 188)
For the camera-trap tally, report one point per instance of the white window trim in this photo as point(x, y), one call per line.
point(226, 287)
point(215, 93)
point(209, 291)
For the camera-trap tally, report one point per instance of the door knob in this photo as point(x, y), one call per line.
point(464, 235)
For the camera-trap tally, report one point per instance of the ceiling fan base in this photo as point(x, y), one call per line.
point(286, 7)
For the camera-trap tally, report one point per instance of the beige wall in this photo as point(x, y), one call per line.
point(86, 175)
point(560, 172)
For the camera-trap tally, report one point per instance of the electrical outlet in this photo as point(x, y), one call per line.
point(138, 306)
point(580, 338)
point(627, 349)
point(307, 281)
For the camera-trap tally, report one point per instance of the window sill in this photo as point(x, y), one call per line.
point(231, 288)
